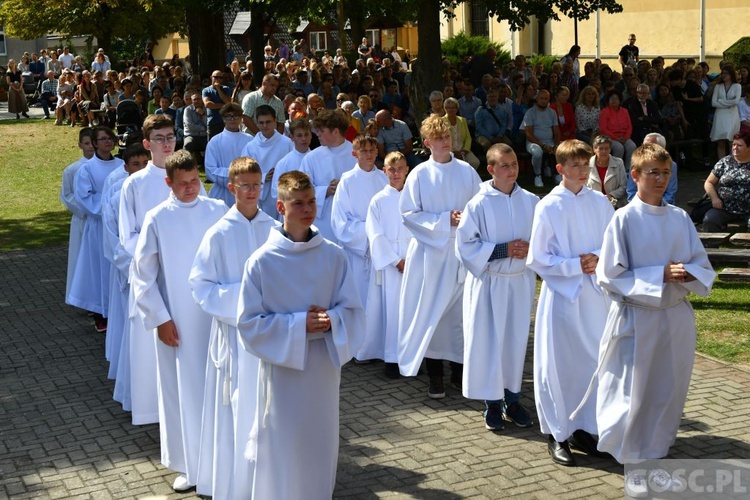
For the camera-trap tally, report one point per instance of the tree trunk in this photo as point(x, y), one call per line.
point(341, 16)
point(206, 39)
point(257, 40)
point(426, 71)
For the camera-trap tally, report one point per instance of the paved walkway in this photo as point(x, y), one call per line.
point(62, 436)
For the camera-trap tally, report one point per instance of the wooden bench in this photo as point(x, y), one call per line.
point(729, 255)
point(735, 274)
point(714, 240)
point(740, 240)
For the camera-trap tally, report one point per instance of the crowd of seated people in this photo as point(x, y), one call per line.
point(679, 101)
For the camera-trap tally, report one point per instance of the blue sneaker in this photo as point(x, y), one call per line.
point(517, 414)
point(493, 417)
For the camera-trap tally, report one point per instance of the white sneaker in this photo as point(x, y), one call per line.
point(635, 484)
point(558, 178)
point(547, 172)
point(538, 181)
point(181, 484)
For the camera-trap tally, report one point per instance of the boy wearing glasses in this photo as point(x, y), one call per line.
point(164, 254)
point(222, 149)
point(141, 192)
point(492, 242)
point(268, 147)
point(232, 372)
point(646, 355)
point(566, 238)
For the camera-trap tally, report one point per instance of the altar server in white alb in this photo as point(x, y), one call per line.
point(231, 373)
point(350, 202)
point(651, 259)
point(222, 149)
point(141, 192)
point(136, 158)
point(388, 239)
point(430, 322)
point(566, 238)
point(90, 287)
point(326, 164)
point(301, 135)
point(68, 198)
point(268, 147)
point(170, 238)
point(492, 241)
point(299, 312)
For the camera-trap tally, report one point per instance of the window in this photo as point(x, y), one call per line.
point(2, 41)
point(373, 37)
point(318, 40)
point(480, 24)
point(389, 38)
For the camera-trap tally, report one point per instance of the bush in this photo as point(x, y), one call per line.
point(544, 59)
point(739, 53)
point(461, 45)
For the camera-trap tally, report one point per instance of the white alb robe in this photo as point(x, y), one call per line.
point(572, 309)
point(324, 164)
point(164, 256)
point(224, 472)
point(295, 436)
point(430, 316)
point(118, 275)
point(498, 295)
point(268, 153)
point(648, 348)
point(388, 239)
point(140, 192)
point(348, 213)
point(77, 219)
point(292, 161)
point(90, 287)
point(221, 150)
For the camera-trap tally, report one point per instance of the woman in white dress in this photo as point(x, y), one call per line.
point(726, 99)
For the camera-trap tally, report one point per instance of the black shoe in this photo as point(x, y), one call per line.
point(517, 414)
point(25, 115)
point(437, 389)
point(493, 416)
point(391, 370)
point(585, 442)
point(560, 453)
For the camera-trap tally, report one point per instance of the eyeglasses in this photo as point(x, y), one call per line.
point(218, 77)
point(655, 174)
point(105, 139)
point(340, 100)
point(231, 117)
point(160, 139)
point(244, 188)
point(374, 96)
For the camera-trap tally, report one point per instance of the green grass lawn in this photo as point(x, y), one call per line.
point(34, 153)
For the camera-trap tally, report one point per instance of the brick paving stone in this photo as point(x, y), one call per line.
point(62, 436)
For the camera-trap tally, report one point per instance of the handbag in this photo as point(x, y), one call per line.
point(700, 209)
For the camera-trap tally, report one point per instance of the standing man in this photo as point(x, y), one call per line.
point(215, 97)
point(629, 53)
point(265, 95)
point(66, 58)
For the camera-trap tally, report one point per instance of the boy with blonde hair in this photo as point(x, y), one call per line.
point(388, 238)
point(303, 331)
point(566, 238)
point(646, 355)
point(300, 132)
point(430, 322)
point(492, 242)
point(231, 372)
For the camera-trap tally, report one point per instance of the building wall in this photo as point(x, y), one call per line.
point(15, 48)
point(166, 47)
point(670, 28)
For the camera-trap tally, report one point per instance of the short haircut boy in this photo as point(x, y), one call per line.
point(361, 141)
point(434, 127)
point(497, 150)
point(231, 107)
point(299, 124)
point(649, 153)
point(156, 122)
point(393, 157)
point(180, 160)
point(243, 165)
point(573, 150)
point(293, 181)
point(265, 110)
point(85, 132)
point(332, 119)
point(134, 151)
